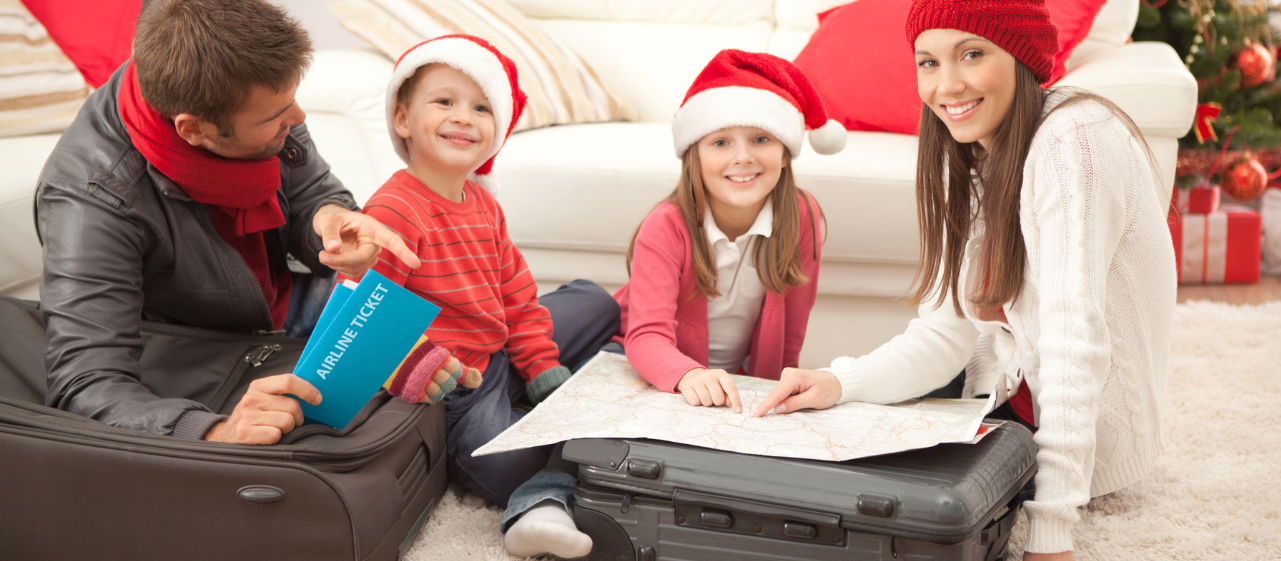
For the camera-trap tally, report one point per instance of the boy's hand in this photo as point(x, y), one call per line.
point(352, 241)
point(266, 413)
point(701, 386)
point(801, 389)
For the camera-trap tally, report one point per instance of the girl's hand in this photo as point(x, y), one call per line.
point(1065, 556)
point(701, 386)
point(808, 389)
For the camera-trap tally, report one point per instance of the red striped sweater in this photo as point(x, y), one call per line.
point(471, 269)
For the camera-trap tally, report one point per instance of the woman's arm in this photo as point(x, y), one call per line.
point(933, 350)
point(1076, 211)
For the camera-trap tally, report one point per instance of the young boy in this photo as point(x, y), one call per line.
point(451, 104)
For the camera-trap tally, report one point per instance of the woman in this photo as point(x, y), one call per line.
point(1046, 270)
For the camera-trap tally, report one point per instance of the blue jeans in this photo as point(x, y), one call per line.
point(554, 483)
point(584, 318)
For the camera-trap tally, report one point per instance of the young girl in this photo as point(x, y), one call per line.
point(1046, 267)
point(723, 273)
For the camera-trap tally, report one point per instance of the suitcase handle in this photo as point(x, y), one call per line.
point(743, 516)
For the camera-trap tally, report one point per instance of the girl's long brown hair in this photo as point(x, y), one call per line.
point(778, 257)
point(948, 203)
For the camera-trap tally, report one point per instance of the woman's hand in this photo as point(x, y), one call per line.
point(808, 389)
point(701, 386)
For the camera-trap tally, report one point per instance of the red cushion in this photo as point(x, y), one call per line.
point(1074, 18)
point(97, 36)
point(863, 67)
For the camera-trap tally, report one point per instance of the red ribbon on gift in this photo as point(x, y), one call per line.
point(1198, 200)
point(1206, 114)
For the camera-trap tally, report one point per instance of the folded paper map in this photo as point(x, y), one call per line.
point(607, 399)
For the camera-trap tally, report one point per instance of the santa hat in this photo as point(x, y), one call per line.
point(755, 90)
point(1021, 27)
point(480, 61)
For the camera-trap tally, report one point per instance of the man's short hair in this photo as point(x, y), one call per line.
point(202, 57)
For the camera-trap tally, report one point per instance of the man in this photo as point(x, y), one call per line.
point(176, 196)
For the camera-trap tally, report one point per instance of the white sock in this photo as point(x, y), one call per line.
point(546, 529)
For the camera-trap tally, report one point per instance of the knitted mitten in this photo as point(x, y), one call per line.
point(428, 373)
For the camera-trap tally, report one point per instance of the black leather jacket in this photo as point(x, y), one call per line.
point(123, 243)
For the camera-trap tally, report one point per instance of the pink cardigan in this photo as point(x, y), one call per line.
point(664, 320)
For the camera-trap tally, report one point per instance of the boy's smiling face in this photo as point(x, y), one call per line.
point(447, 122)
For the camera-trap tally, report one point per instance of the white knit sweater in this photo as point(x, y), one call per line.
point(1090, 330)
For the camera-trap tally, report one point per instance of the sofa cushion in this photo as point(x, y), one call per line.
point(343, 95)
point(876, 89)
point(1145, 79)
point(714, 12)
point(588, 187)
point(562, 88)
point(22, 159)
point(652, 64)
point(97, 36)
point(40, 89)
point(1112, 28)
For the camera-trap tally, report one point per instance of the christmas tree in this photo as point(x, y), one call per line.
point(1230, 48)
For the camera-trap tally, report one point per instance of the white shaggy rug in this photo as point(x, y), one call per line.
point(1215, 495)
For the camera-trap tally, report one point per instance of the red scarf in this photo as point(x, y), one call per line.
point(242, 191)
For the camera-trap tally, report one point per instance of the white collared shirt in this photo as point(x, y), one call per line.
point(732, 316)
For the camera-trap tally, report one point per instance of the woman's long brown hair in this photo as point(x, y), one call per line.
point(778, 257)
point(948, 201)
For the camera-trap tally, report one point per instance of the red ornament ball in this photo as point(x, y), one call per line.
point(1257, 65)
point(1246, 179)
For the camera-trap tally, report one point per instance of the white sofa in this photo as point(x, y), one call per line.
point(574, 194)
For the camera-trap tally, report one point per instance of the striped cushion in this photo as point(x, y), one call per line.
point(40, 89)
point(562, 88)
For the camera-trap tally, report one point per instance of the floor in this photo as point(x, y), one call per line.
point(1268, 289)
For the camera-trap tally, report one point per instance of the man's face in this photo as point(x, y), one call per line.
point(258, 131)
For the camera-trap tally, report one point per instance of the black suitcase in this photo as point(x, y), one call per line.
point(74, 488)
point(647, 500)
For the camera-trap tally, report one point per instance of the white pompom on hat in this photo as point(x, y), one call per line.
point(739, 89)
point(480, 61)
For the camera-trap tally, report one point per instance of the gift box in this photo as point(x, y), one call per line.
point(1221, 247)
point(1199, 200)
point(1270, 211)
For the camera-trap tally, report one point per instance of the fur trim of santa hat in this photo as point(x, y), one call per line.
point(480, 61)
point(739, 89)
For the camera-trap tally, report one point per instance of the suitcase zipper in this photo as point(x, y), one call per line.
point(255, 357)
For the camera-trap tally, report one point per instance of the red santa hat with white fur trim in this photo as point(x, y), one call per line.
point(739, 89)
point(480, 61)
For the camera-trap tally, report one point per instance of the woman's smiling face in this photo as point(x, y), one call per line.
point(966, 80)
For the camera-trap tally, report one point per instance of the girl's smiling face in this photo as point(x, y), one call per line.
point(966, 80)
point(740, 166)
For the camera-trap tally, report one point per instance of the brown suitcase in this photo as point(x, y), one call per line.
point(74, 488)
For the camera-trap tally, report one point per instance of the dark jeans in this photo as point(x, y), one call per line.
point(584, 318)
point(307, 301)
